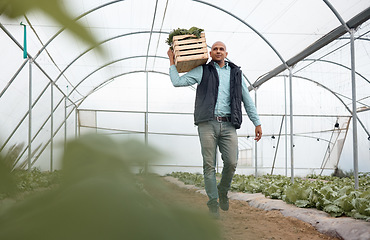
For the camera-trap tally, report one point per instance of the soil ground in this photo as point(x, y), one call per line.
point(243, 222)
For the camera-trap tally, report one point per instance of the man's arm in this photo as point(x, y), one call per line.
point(188, 79)
point(251, 110)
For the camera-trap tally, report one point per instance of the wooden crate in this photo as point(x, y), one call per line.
point(189, 53)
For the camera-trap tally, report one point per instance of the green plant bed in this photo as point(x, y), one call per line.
point(29, 181)
point(333, 195)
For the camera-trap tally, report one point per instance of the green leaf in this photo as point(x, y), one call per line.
point(345, 202)
point(333, 210)
point(361, 206)
point(302, 203)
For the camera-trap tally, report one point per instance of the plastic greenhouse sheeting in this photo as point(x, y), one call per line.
point(125, 91)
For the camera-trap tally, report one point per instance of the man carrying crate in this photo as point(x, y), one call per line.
point(218, 114)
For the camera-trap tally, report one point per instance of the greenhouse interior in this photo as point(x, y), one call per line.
point(304, 63)
point(74, 68)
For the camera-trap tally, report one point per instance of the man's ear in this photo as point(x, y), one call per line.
point(226, 54)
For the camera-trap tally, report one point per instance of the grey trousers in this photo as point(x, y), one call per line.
point(223, 135)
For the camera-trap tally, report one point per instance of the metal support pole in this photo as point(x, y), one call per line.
point(291, 126)
point(146, 118)
point(30, 115)
point(79, 127)
point(65, 119)
point(255, 143)
point(146, 109)
point(76, 122)
point(51, 125)
point(354, 109)
point(286, 130)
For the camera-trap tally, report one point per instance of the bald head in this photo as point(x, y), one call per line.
point(218, 53)
point(219, 43)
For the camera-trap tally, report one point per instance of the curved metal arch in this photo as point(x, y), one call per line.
point(249, 26)
point(336, 13)
point(111, 80)
point(102, 42)
point(110, 63)
point(335, 94)
point(321, 85)
point(77, 18)
point(335, 63)
point(131, 57)
point(117, 1)
point(118, 60)
point(354, 22)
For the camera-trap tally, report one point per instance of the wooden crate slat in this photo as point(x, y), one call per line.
point(192, 57)
point(189, 42)
point(190, 52)
point(185, 47)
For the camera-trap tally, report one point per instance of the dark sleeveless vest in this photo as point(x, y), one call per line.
point(207, 92)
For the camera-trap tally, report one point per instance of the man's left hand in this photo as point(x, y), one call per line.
point(258, 132)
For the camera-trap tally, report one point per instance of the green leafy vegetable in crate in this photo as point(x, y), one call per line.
point(182, 31)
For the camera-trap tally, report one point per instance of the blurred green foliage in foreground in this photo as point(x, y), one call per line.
point(99, 197)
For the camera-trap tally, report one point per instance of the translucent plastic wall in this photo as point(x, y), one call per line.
point(126, 91)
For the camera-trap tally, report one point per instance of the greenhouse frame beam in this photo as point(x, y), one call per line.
point(77, 18)
point(29, 115)
point(35, 102)
point(336, 95)
point(14, 77)
point(24, 63)
point(354, 110)
point(36, 134)
point(323, 41)
point(100, 43)
point(55, 133)
point(111, 80)
point(110, 63)
point(351, 31)
point(122, 59)
point(22, 119)
point(291, 125)
point(334, 50)
point(31, 105)
point(249, 26)
point(338, 64)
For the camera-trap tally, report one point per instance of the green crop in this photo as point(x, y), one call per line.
point(182, 31)
point(333, 195)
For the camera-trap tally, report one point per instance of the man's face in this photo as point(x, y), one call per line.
point(218, 52)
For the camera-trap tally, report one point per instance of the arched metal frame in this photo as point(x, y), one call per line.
point(348, 26)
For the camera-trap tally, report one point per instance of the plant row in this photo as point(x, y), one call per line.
point(27, 181)
point(336, 196)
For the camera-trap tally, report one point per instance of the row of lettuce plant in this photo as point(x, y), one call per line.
point(333, 195)
point(28, 181)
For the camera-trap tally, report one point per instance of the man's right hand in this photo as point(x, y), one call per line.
point(171, 56)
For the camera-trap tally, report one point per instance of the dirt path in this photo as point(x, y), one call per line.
point(243, 221)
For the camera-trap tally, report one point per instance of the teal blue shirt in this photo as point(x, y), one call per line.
point(222, 107)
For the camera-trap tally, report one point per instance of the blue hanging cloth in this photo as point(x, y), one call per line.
point(24, 41)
